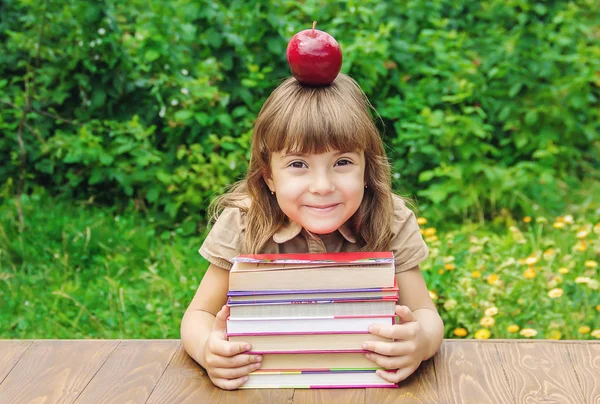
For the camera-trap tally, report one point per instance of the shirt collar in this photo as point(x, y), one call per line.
point(291, 229)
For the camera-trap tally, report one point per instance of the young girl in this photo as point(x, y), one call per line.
point(318, 181)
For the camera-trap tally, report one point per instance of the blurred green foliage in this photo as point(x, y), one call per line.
point(484, 104)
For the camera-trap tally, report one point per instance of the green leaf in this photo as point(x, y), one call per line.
point(151, 55)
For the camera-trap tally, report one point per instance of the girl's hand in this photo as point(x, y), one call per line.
point(404, 354)
point(224, 361)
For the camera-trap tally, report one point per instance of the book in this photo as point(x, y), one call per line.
point(312, 379)
point(294, 272)
point(308, 316)
point(311, 258)
point(268, 296)
point(317, 361)
point(305, 325)
point(312, 309)
point(310, 343)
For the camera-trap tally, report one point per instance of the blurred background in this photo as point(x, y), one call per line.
point(120, 121)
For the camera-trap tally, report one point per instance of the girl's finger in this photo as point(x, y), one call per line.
point(229, 384)
point(222, 347)
point(397, 348)
point(397, 376)
point(234, 373)
point(229, 362)
point(397, 331)
point(388, 362)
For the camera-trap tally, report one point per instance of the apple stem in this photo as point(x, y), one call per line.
point(313, 31)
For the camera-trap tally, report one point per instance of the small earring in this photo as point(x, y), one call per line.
point(366, 186)
point(272, 193)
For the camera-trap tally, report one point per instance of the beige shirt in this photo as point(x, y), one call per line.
point(225, 239)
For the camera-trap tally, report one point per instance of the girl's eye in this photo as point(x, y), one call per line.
point(297, 164)
point(343, 162)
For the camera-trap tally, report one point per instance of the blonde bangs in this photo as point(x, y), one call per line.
point(317, 120)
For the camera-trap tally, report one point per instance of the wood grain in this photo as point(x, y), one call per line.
point(184, 381)
point(54, 371)
point(10, 353)
point(470, 372)
point(418, 388)
point(502, 371)
point(130, 373)
point(257, 396)
point(540, 372)
point(329, 396)
point(585, 358)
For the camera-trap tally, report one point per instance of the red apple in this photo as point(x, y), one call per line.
point(314, 56)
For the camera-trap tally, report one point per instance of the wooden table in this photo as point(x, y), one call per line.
point(159, 371)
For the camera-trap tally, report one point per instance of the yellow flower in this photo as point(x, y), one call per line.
point(568, 219)
point(482, 333)
point(584, 329)
point(476, 274)
point(541, 219)
point(433, 295)
point(596, 333)
point(558, 225)
point(581, 246)
point(441, 271)
point(582, 279)
point(554, 334)
point(450, 304)
point(493, 278)
point(555, 293)
point(449, 266)
point(593, 284)
point(492, 311)
point(598, 307)
point(512, 328)
point(421, 221)
point(448, 259)
point(560, 219)
point(590, 264)
point(430, 231)
point(528, 332)
point(582, 234)
point(563, 270)
point(549, 253)
point(531, 261)
point(431, 239)
point(527, 219)
point(597, 228)
point(460, 332)
point(487, 321)
point(529, 273)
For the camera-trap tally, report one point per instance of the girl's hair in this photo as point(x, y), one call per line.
point(313, 120)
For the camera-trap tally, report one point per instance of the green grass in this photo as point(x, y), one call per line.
point(81, 271)
point(87, 272)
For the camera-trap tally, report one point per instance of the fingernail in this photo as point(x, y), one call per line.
point(258, 359)
point(372, 328)
point(256, 365)
point(247, 347)
point(245, 378)
point(364, 346)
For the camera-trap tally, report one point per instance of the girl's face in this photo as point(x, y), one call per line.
point(318, 191)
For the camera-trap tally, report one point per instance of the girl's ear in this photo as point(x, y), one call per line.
point(269, 180)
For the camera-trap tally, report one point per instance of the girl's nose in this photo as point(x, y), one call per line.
point(322, 184)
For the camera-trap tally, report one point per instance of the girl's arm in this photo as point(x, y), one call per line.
point(199, 317)
point(414, 294)
point(417, 337)
point(204, 334)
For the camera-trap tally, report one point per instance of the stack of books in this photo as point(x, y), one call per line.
point(308, 315)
